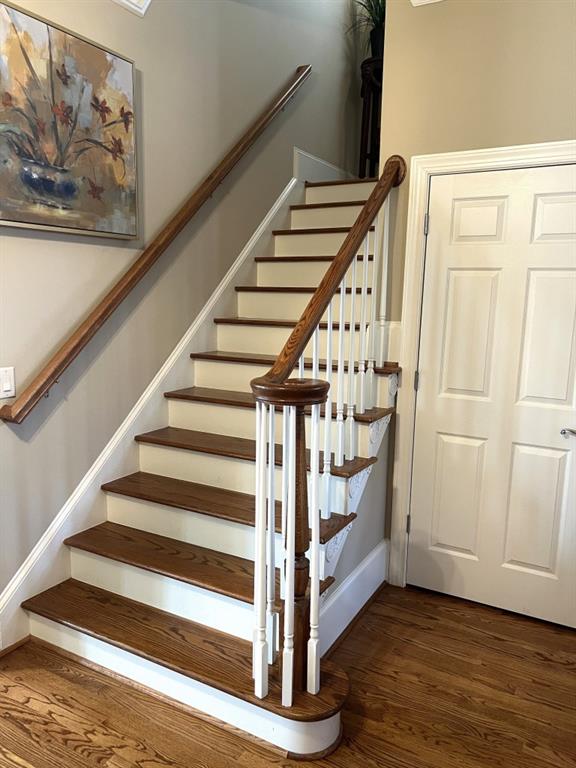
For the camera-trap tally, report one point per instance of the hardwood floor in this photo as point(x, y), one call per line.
point(436, 683)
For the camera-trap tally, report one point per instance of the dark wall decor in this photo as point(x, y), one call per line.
point(67, 145)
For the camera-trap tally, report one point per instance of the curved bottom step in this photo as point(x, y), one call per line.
point(199, 667)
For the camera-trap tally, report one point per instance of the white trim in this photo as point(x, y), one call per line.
point(342, 605)
point(48, 562)
point(421, 171)
point(290, 735)
point(308, 167)
point(139, 7)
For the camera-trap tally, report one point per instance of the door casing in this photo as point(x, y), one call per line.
point(422, 169)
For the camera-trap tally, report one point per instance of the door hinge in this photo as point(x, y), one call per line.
point(416, 380)
point(426, 223)
point(408, 523)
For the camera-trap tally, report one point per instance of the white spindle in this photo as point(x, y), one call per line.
point(313, 684)
point(326, 473)
point(383, 280)
point(339, 458)
point(316, 353)
point(371, 401)
point(288, 652)
point(285, 454)
point(363, 330)
point(350, 421)
point(271, 541)
point(301, 367)
point(260, 649)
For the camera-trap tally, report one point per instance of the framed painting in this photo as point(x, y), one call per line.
point(67, 140)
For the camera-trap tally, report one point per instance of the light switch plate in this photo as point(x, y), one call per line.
point(7, 383)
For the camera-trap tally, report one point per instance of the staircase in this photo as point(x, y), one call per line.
point(163, 591)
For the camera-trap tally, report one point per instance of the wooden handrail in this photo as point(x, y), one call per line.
point(393, 175)
point(18, 410)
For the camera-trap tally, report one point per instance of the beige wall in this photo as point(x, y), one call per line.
point(466, 74)
point(205, 68)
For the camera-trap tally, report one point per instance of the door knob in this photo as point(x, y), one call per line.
point(567, 432)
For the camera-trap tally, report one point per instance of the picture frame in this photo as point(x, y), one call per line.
point(68, 155)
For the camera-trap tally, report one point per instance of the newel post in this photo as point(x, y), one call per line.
point(298, 394)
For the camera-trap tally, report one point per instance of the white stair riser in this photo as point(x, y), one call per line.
point(190, 602)
point(288, 735)
point(240, 422)
point(219, 471)
point(191, 527)
point(237, 377)
point(300, 273)
point(316, 244)
point(337, 193)
point(290, 306)
point(342, 216)
point(269, 340)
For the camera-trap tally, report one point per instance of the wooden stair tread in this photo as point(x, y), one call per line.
point(246, 400)
point(254, 358)
point(337, 204)
point(286, 289)
point(315, 231)
point(218, 572)
point(273, 323)
point(221, 661)
point(336, 182)
point(208, 500)
point(236, 448)
point(272, 259)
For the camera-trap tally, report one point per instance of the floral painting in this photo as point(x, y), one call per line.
point(67, 148)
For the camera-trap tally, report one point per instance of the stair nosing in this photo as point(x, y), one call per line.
point(256, 358)
point(287, 259)
point(155, 437)
point(340, 182)
point(271, 323)
point(329, 527)
point(223, 398)
point(335, 204)
point(287, 289)
point(315, 231)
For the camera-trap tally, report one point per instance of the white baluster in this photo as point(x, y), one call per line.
point(339, 458)
point(350, 421)
point(301, 367)
point(316, 353)
point(383, 280)
point(371, 399)
point(313, 683)
point(363, 330)
point(271, 615)
point(260, 649)
point(288, 652)
point(326, 473)
point(285, 454)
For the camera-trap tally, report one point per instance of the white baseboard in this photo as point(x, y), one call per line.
point(48, 563)
point(308, 167)
point(342, 605)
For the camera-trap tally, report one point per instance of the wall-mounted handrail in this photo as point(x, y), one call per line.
point(279, 395)
point(18, 410)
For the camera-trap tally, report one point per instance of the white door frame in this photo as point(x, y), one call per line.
point(422, 169)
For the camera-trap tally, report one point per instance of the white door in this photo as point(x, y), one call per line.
point(493, 507)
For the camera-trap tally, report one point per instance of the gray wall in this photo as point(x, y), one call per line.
point(204, 70)
point(467, 74)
